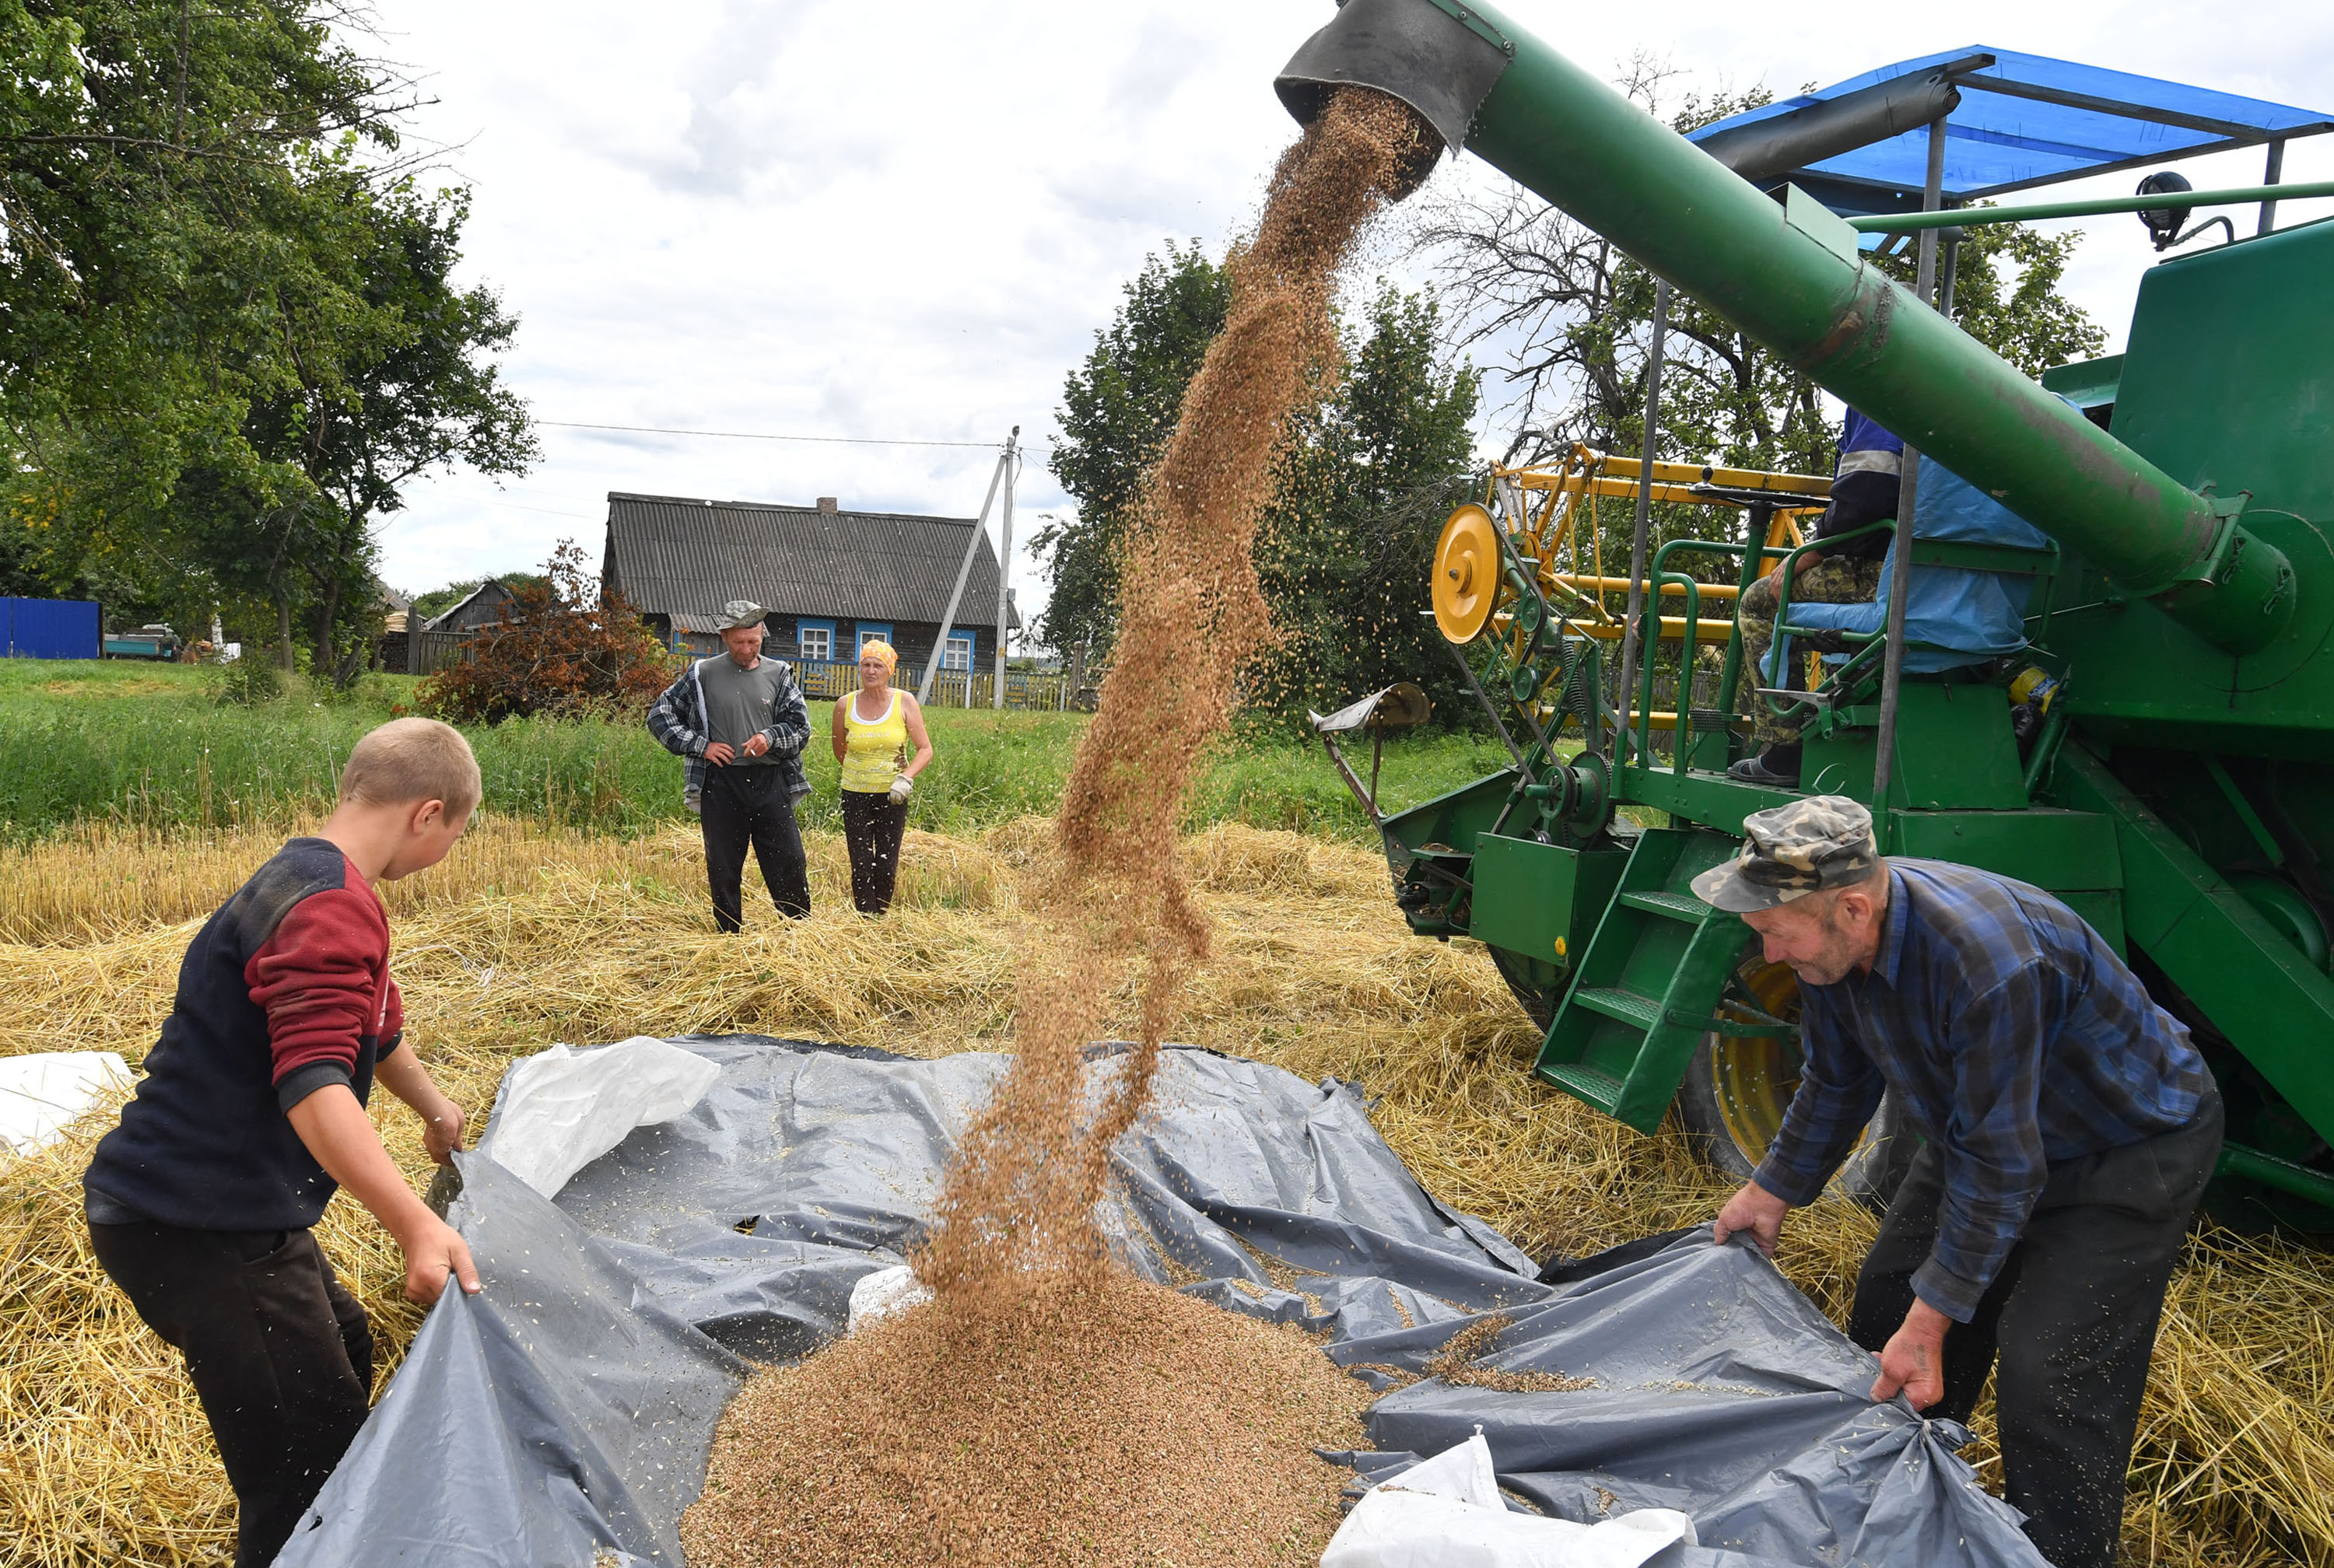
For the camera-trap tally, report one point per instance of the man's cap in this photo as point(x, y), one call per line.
point(1791, 851)
point(740, 613)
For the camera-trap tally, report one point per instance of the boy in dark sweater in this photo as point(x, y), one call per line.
point(252, 1111)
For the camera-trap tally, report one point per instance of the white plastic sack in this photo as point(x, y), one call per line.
point(563, 1109)
point(883, 1293)
point(43, 1093)
point(1446, 1513)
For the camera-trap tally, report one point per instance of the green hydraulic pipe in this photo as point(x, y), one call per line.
point(2180, 200)
point(1790, 277)
point(2237, 1159)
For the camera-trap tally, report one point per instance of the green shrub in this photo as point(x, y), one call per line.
point(248, 682)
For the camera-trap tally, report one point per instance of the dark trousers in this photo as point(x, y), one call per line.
point(2071, 1317)
point(872, 827)
point(280, 1354)
point(745, 805)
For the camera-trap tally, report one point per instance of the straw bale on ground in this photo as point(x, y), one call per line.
point(524, 937)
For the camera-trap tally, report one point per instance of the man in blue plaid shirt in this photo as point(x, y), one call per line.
point(2071, 1126)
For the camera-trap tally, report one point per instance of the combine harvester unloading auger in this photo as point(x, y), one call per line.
point(2172, 773)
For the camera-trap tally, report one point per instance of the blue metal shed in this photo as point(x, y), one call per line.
point(51, 629)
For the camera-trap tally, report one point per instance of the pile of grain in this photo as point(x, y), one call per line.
point(1089, 1419)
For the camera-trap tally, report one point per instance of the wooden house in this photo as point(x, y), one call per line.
point(831, 579)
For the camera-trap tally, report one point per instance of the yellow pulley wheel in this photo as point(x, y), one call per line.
point(1466, 574)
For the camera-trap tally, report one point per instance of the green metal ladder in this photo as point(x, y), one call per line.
point(1645, 991)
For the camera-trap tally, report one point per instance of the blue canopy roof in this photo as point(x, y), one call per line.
point(2026, 121)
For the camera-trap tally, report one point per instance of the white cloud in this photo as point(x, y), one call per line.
point(839, 219)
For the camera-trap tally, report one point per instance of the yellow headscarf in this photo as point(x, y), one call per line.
point(883, 651)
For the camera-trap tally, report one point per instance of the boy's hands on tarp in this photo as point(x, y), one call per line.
point(433, 1254)
point(441, 1129)
point(341, 1136)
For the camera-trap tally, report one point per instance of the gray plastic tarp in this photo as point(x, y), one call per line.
point(562, 1416)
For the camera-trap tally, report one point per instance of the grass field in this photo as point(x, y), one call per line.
point(150, 747)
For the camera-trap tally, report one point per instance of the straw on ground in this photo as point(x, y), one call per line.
point(524, 937)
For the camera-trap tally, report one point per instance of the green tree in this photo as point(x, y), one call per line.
point(413, 390)
point(1118, 408)
point(1365, 484)
point(1573, 315)
point(227, 330)
point(1365, 479)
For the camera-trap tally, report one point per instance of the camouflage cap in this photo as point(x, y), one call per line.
point(1790, 851)
point(740, 613)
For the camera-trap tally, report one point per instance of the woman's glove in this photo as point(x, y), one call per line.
point(901, 787)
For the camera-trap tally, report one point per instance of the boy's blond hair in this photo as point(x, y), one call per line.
point(408, 760)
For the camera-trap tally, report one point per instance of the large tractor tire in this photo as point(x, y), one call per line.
point(1737, 1089)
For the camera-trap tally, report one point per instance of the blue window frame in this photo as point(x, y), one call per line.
point(870, 632)
point(813, 640)
point(958, 654)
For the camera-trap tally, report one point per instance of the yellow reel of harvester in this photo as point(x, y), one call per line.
point(1467, 574)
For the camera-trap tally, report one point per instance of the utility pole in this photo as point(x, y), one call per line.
point(1006, 465)
point(956, 595)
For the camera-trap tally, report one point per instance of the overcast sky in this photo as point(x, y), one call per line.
point(833, 217)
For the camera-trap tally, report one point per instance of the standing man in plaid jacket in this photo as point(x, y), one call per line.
point(739, 723)
point(2071, 1126)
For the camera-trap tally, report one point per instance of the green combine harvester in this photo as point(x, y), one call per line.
point(2160, 752)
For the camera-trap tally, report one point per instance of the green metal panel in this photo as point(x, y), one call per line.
point(1530, 897)
point(2072, 855)
point(2053, 850)
point(2228, 382)
point(1954, 751)
point(2086, 383)
point(2258, 989)
point(1451, 820)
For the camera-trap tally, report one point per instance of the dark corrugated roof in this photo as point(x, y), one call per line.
point(451, 619)
point(669, 555)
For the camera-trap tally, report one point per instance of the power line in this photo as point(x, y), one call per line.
point(546, 511)
point(764, 436)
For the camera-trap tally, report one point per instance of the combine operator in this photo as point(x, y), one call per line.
point(1864, 489)
point(2070, 1127)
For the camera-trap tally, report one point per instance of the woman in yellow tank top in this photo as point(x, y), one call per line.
point(873, 728)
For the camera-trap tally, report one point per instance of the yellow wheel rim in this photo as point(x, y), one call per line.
point(1756, 1078)
point(1466, 574)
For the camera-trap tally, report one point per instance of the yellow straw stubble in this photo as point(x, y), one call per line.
point(526, 937)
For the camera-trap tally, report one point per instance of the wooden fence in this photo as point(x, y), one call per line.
point(419, 652)
point(1028, 690)
point(1036, 691)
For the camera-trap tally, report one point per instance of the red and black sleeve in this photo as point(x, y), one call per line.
point(320, 977)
